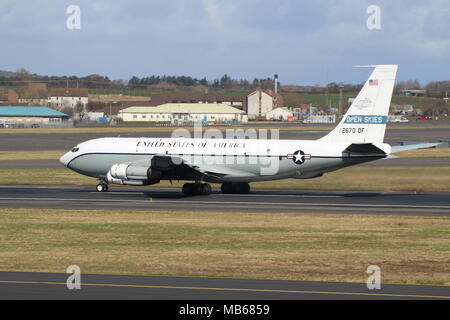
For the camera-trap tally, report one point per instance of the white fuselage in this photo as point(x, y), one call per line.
point(219, 159)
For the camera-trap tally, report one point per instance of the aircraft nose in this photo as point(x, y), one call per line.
point(65, 159)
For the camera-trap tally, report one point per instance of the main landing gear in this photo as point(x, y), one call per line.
point(195, 189)
point(102, 187)
point(235, 188)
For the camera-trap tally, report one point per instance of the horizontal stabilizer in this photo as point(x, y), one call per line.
point(414, 146)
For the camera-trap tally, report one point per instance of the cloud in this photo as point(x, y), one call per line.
point(424, 30)
point(245, 38)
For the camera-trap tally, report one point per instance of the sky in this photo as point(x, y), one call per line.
point(305, 42)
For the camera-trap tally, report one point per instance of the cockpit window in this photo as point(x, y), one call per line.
point(75, 149)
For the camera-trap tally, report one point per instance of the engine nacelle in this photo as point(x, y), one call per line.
point(133, 175)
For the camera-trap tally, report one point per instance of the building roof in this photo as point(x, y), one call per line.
point(194, 97)
point(184, 108)
point(279, 109)
point(14, 111)
point(69, 92)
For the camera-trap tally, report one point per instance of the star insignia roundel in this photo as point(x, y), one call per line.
point(299, 157)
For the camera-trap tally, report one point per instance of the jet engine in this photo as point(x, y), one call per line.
point(133, 175)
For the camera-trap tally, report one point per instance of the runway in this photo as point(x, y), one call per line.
point(258, 201)
point(43, 286)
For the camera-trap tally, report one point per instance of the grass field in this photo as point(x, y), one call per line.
point(315, 247)
point(31, 155)
point(425, 153)
point(316, 99)
point(415, 179)
point(115, 97)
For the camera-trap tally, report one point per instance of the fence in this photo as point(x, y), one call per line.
point(320, 119)
point(22, 125)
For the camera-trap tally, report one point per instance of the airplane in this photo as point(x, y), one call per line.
point(234, 163)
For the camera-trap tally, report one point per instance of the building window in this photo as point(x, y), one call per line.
point(134, 116)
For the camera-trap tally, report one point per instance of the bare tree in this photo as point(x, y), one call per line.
point(80, 110)
point(68, 111)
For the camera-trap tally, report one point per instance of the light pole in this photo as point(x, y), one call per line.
point(340, 100)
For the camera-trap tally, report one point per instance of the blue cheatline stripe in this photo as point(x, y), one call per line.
point(365, 119)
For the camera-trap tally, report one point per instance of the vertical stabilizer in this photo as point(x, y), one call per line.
point(365, 120)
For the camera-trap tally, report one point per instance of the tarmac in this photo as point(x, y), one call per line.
point(258, 201)
point(51, 286)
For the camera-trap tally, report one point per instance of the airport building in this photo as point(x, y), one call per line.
point(282, 114)
point(37, 94)
point(259, 102)
point(68, 97)
point(196, 97)
point(32, 94)
point(183, 112)
point(30, 117)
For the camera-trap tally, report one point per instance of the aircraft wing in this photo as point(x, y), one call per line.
point(165, 162)
point(424, 145)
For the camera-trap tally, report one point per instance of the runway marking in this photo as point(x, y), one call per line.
point(280, 195)
point(238, 203)
point(233, 289)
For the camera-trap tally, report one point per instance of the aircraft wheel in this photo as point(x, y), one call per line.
point(235, 188)
point(188, 189)
point(206, 189)
point(242, 188)
point(227, 188)
point(102, 187)
point(193, 189)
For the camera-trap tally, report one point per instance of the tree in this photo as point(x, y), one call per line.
point(438, 89)
point(23, 71)
point(226, 82)
point(95, 106)
point(80, 110)
point(68, 111)
point(407, 84)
